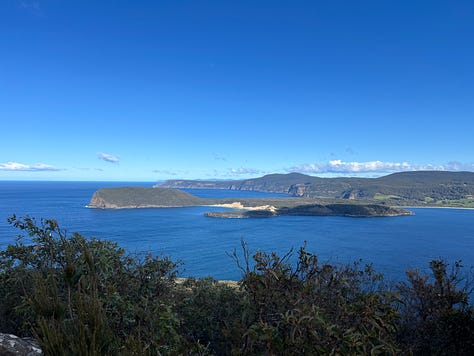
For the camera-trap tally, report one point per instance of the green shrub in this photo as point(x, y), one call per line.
point(79, 296)
point(315, 308)
point(436, 316)
point(210, 313)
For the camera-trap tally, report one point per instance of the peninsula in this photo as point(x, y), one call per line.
point(141, 197)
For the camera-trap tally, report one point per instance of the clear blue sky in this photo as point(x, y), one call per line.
point(151, 90)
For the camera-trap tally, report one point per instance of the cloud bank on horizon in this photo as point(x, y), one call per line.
point(333, 168)
point(38, 167)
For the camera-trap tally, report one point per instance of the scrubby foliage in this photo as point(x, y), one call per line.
point(81, 296)
point(316, 308)
point(436, 317)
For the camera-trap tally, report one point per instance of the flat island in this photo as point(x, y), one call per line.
point(141, 197)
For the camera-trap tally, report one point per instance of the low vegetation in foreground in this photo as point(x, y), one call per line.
point(79, 296)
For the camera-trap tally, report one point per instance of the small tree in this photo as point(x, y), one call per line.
point(436, 315)
point(86, 296)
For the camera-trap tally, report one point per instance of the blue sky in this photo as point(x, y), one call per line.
point(152, 90)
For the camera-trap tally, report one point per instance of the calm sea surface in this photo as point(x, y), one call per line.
point(391, 244)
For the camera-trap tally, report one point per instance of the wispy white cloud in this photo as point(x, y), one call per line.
point(218, 157)
point(39, 167)
point(89, 169)
point(242, 170)
point(339, 166)
point(165, 172)
point(458, 166)
point(108, 157)
point(33, 7)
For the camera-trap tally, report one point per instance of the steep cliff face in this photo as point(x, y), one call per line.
point(97, 201)
point(298, 190)
point(354, 194)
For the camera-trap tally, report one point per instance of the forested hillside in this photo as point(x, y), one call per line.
point(421, 188)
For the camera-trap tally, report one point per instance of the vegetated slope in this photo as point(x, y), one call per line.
point(296, 184)
point(427, 187)
point(141, 197)
point(419, 188)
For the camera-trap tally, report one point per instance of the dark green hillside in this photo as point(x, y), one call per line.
point(278, 182)
point(136, 197)
point(353, 210)
point(427, 187)
point(422, 188)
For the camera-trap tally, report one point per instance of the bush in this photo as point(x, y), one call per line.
point(436, 316)
point(211, 313)
point(81, 296)
point(315, 308)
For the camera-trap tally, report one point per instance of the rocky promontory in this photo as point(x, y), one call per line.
point(142, 197)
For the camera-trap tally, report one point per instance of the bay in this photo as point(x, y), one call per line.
point(203, 244)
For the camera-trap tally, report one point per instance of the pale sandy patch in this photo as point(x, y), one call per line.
point(239, 205)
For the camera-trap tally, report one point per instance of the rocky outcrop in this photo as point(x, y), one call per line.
point(99, 202)
point(11, 345)
point(298, 190)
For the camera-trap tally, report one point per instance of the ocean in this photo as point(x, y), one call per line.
point(391, 244)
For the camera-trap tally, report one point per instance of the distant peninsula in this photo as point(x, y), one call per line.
point(141, 197)
point(417, 188)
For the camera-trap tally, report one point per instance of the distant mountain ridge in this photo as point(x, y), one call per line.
point(425, 188)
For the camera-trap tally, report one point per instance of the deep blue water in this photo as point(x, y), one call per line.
point(391, 244)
